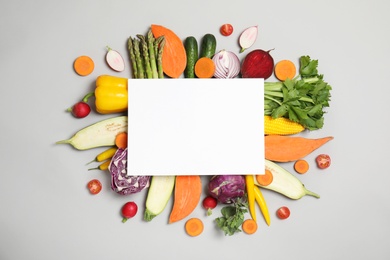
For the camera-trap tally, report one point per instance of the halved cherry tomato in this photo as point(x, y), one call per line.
point(94, 186)
point(323, 161)
point(283, 212)
point(226, 29)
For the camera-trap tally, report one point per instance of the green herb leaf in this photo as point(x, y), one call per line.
point(232, 217)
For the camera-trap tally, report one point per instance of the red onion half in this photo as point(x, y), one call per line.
point(227, 65)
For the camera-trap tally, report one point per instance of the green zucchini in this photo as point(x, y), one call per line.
point(191, 47)
point(285, 183)
point(160, 191)
point(99, 134)
point(208, 46)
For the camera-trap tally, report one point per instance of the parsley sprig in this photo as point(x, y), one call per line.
point(301, 99)
point(232, 217)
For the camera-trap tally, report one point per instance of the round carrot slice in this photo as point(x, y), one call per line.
point(194, 227)
point(83, 65)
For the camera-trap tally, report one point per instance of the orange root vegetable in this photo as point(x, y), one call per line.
point(194, 227)
point(121, 140)
point(188, 189)
point(301, 166)
point(265, 179)
point(249, 226)
point(279, 148)
point(83, 65)
point(204, 68)
point(285, 69)
point(174, 57)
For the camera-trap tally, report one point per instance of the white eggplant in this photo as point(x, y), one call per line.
point(100, 134)
point(285, 183)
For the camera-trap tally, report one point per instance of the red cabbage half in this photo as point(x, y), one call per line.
point(120, 181)
point(227, 188)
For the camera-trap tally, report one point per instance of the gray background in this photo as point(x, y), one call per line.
point(46, 210)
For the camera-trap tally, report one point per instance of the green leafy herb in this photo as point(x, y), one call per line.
point(232, 217)
point(301, 99)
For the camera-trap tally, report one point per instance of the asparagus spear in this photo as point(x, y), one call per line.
point(132, 57)
point(159, 43)
point(145, 55)
point(139, 60)
point(152, 55)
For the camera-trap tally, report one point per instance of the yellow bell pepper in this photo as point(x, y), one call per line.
point(111, 94)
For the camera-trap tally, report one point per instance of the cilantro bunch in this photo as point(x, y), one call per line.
point(232, 216)
point(301, 99)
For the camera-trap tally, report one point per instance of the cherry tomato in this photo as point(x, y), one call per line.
point(94, 186)
point(283, 212)
point(323, 161)
point(226, 29)
point(129, 210)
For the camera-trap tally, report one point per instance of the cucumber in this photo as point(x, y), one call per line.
point(102, 133)
point(285, 183)
point(160, 191)
point(208, 46)
point(191, 46)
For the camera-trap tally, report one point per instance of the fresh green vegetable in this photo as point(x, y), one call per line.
point(191, 46)
point(208, 46)
point(301, 99)
point(285, 183)
point(160, 191)
point(100, 134)
point(232, 217)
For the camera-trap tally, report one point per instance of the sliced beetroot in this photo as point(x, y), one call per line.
point(257, 64)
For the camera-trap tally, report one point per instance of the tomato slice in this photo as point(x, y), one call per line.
point(226, 29)
point(94, 186)
point(283, 212)
point(323, 161)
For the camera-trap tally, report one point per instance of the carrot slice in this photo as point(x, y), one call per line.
point(204, 68)
point(265, 179)
point(83, 65)
point(301, 166)
point(194, 227)
point(249, 226)
point(285, 69)
point(121, 140)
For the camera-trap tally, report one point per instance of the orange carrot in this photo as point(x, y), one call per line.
point(174, 57)
point(285, 69)
point(188, 189)
point(265, 179)
point(280, 148)
point(83, 65)
point(204, 68)
point(121, 140)
point(301, 166)
point(249, 226)
point(194, 227)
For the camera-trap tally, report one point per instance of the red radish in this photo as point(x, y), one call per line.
point(129, 210)
point(80, 109)
point(115, 60)
point(209, 203)
point(257, 64)
point(248, 38)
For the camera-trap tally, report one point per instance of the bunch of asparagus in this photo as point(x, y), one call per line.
point(146, 56)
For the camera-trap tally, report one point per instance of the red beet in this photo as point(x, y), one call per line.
point(257, 64)
point(80, 109)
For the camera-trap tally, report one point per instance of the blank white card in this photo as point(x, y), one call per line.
point(195, 126)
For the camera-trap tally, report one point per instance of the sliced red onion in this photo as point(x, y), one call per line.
point(121, 182)
point(227, 65)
